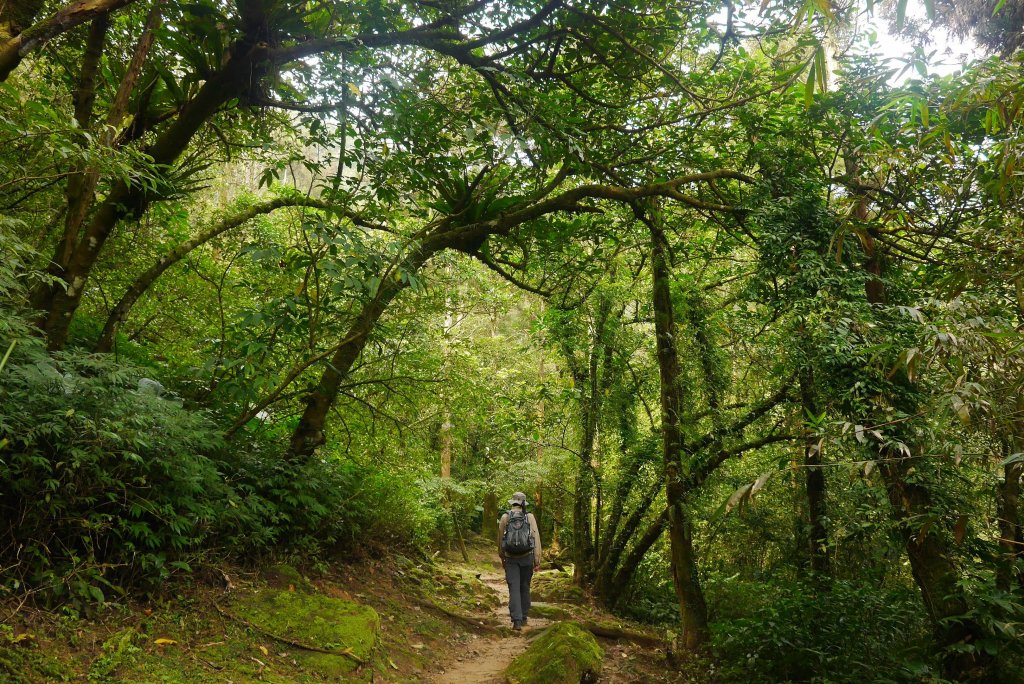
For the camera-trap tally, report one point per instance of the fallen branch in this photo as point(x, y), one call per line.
point(611, 632)
point(463, 618)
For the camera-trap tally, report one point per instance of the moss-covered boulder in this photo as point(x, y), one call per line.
point(320, 622)
point(549, 611)
point(556, 589)
point(281, 575)
point(564, 653)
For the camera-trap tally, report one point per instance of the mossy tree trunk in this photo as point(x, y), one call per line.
point(310, 432)
point(489, 528)
point(814, 483)
point(1011, 533)
point(692, 606)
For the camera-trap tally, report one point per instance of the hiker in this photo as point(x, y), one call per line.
point(519, 550)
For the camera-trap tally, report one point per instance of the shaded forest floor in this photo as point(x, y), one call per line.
point(391, 619)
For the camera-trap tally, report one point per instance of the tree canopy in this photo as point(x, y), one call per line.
point(736, 300)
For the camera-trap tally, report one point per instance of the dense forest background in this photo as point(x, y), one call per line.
point(736, 300)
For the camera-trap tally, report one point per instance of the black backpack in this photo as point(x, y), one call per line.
point(518, 539)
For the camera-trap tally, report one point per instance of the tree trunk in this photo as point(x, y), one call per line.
point(616, 587)
point(60, 302)
point(82, 185)
point(1011, 534)
point(931, 559)
point(629, 471)
point(817, 537)
point(16, 16)
point(617, 538)
point(538, 507)
point(309, 433)
point(459, 539)
point(16, 46)
point(79, 192)
point(489, 525)
point(582, 538)
point(692, 607)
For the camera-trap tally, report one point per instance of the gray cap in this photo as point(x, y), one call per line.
point(517, 498)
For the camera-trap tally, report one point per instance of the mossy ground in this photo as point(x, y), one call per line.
point(380, 610)
point(414, 640)
point(564, 653)
point(330, 624)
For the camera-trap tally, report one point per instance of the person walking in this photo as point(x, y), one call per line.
point(520, 552)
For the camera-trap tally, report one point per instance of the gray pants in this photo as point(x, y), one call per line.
point(518, 573)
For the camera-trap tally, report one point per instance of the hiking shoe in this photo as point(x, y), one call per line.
point(518, 626)
point(525, 622)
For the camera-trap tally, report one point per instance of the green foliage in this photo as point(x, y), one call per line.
point(109, 485)
point(308, 509)
point(842, 632)
point(120, 650)
point(999, 612)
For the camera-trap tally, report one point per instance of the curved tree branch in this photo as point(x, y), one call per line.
point(146, 279)
point(37, 35)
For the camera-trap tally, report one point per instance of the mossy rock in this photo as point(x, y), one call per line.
point(31, 665)
point(313, 620)
point(281, 575)
point(549, 611)
point(564, 653)
point(557, 589)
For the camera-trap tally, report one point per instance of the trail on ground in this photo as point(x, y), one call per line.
point(486, 658)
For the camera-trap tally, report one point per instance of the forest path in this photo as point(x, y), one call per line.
point(485, 661)
point(633, 653)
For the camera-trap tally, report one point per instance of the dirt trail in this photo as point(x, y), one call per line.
point(485, 660)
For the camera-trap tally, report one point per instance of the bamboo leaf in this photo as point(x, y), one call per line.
point(821, 68)
point(809, 87)
point(1013, 458)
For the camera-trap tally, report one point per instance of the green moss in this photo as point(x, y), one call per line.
point(549, 611)
point(564, 653)
point(310, 619)
point(31, 665)
point(556, 589)
point(281, 575)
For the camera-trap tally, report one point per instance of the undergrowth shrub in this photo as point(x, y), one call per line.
point(802, 633)
point(101, 486)
point(105, 488)
point(316, 506)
